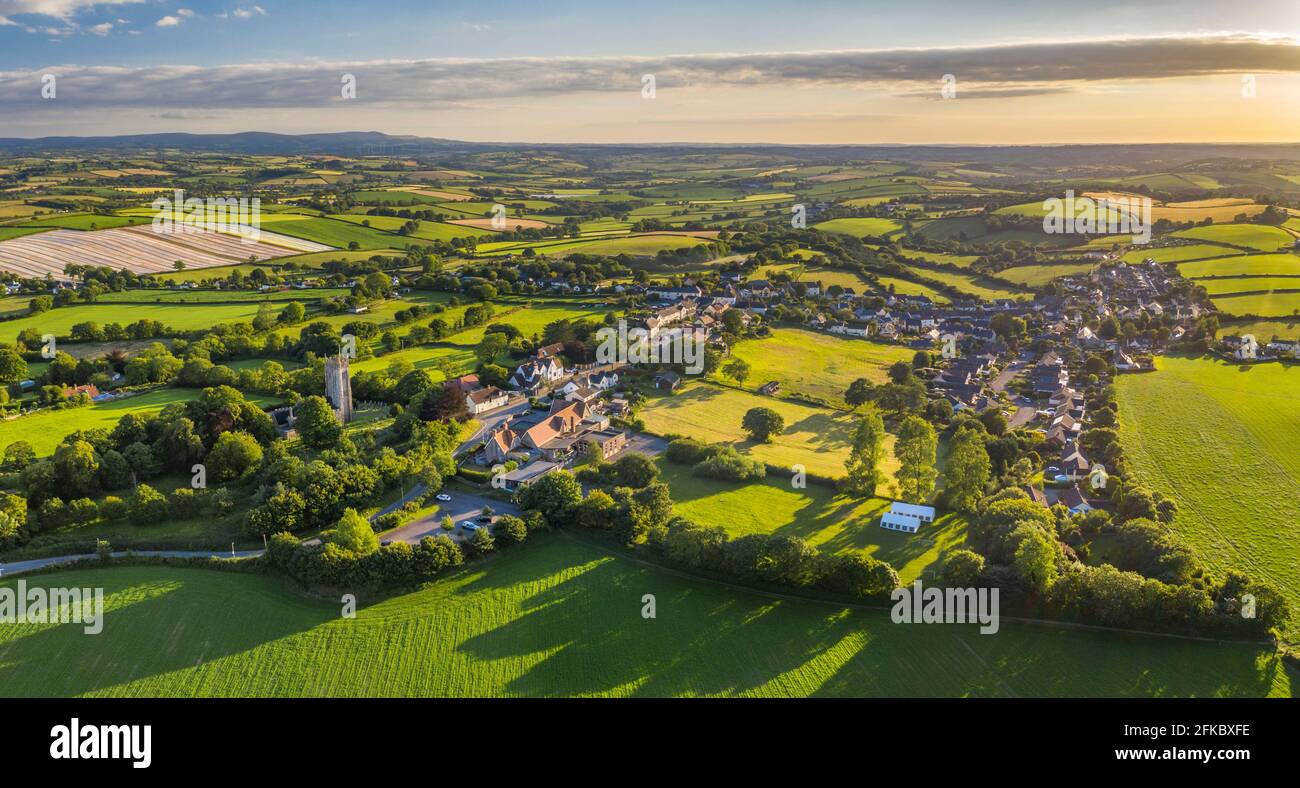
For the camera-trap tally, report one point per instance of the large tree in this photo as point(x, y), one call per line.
point(967, 471)
point(353, 533)
point(915, 449)
point(317, 424)
point(862, 468)
point(762, 424)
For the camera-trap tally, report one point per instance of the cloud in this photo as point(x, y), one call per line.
point(101, 30)
point(59, 9)
point(246, 13)
point(168, 21)
point(989, 71)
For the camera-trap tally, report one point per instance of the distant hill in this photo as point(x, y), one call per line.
point(374, 143)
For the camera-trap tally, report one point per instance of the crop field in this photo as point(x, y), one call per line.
point(1243, 265)
point(544, 620)
point(1221, 440)
point(138, 249)
point(814, 365)
point(1250, 236)
point(817, 438)
point(819, 515)
point(61, 320)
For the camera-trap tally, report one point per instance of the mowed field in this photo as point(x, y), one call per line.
point(1264, 238)
point(815, 365)
point(559, 617)
point(1221, 440)
point(817, 514)
point(817, 438)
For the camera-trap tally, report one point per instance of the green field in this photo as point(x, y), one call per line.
point(636, 246)
point(1248, 284)
point(817, 514)
point(1251, 236)
point(547, 620)
point(816, 438)
point(430, 231)
point(182, 317)
point(1174, 254)
point(1262, 304)
point(1037, 275)
point(337, 233)
point(45, 429)
point(87, 221)
point(1243, 265)
point(814, 365)
point(881, 228)
point(1221, 440)
point(1266, 330)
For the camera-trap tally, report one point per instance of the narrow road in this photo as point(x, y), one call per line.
point(17, 567)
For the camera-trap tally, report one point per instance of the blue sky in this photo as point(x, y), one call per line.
point(103, 48)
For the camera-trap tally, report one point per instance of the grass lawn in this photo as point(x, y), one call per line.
point(562, 618)
point(817, 514)
point(815, 365)
point(530, 319)
point(45, 429)
point(1248, 284)
point(817, 438)
point(1221, 440)
point(1266, 330)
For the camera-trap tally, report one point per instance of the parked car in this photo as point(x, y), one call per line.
point(483, 518)
point(470, 526)
point(442, 497)
point(386, 543)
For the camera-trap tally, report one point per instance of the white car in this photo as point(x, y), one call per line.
point(443, 497)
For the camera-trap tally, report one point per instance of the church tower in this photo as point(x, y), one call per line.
point(338, 387)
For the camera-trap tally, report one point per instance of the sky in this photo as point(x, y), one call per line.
point(812, 71)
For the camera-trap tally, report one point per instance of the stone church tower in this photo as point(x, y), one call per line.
point(338, 387)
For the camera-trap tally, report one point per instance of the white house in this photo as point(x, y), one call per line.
point(485, 399)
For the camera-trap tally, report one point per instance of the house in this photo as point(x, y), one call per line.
point(1073, 500)
point(584, 394)
point(523, 477)
point(611, 442)
point(358, 310)
point(534, 375)
point(771, 389)
point(668, 381)
point(89, 390)
point(464, 384)
point(552, 350)
point(485, 399)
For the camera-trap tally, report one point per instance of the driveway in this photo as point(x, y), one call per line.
point(490, 420)
point(651, 445)
point(463, 507)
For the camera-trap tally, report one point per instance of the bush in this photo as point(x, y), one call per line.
point(147, 506)
point(688, 451)
point(511, 531)
point(729, 465)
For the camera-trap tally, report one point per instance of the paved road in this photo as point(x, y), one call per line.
point(17, 567)
point(1023, 415)
point(1000, 383)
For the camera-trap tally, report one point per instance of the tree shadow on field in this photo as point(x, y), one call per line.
point(704, 640)
point(156, 620)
